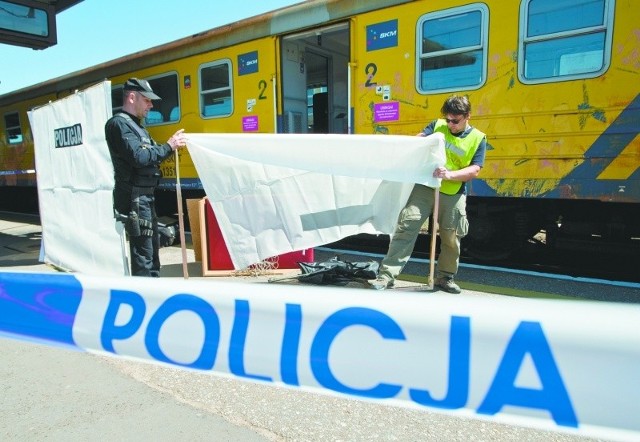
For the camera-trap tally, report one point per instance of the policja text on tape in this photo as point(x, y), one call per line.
point(557, 365)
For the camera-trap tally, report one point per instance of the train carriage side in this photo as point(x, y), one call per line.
point(552, 83)
point(16, 143)
point(17, 158)
point(220, 80)
point(226, 90)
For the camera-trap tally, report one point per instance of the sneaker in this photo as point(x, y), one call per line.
point(446, 283)
point(381, 283)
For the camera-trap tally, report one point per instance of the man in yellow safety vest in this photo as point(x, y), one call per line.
point(465, 148)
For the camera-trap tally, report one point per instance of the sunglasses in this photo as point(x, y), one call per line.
point(452, 121)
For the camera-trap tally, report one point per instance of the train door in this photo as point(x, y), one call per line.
point(314, 67)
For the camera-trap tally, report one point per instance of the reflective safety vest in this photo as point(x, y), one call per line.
point(459, 152)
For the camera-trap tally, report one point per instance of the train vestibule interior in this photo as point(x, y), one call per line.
point(315, 81)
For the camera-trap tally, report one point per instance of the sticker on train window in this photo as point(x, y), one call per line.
point(562, 40)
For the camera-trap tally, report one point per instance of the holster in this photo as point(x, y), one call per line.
point(133, 224)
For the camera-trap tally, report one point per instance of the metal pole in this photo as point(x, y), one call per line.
point(275, 104)
point(349, 122)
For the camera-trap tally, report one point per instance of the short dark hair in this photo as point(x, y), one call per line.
point(456, 105)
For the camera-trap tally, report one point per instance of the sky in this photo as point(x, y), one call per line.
point(96, 31)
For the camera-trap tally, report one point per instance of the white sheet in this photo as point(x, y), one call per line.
point(75, 184)
point(277, 193)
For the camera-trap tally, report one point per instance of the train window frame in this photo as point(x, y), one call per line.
point(204, 93)
point(554, 42)
point(116, 98)
point(479, 48)
point(169, 92)
point(14, 128)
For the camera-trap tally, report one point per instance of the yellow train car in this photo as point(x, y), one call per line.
point(545, 80)
point(553, 83)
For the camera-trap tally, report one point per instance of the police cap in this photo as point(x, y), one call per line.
point(141, 86)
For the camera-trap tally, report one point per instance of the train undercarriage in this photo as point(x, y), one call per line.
point(500, 228)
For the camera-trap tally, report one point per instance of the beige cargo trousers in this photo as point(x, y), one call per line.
point(452, 227)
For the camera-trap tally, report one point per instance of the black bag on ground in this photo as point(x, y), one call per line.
point(168, 231)
point(336, 271)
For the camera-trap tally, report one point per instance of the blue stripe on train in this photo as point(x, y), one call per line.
point(39, 306)
point(582, 182)
point(612, 141)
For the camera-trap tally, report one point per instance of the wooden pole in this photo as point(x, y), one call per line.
point(183, 245)
point(434, 233)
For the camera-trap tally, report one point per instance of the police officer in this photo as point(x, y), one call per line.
point(136, 161)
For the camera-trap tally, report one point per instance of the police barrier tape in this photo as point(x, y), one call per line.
point(557, 365)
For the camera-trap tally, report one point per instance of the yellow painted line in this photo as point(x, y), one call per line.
point(506, 291)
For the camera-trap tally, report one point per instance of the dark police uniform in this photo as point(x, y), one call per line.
point(136, 159)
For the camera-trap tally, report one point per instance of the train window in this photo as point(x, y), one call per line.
point(215, 89)
point(452, 49)
point(116, 99)
point(564, 39)
point(14, 131)
point(166, 110)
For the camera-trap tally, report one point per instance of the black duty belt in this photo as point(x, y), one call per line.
point(141, 190)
